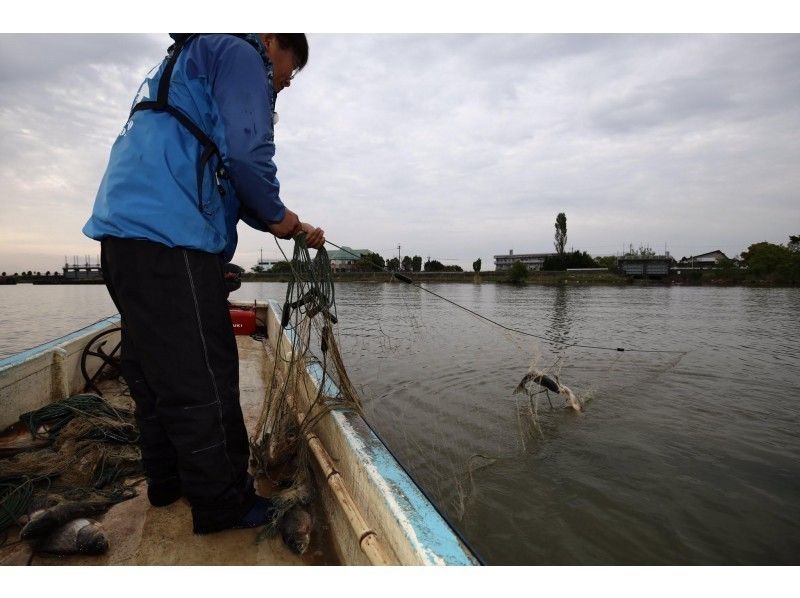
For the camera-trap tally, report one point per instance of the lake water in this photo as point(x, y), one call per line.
point(683, 458)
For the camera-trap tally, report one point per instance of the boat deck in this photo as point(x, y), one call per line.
point(140, 534)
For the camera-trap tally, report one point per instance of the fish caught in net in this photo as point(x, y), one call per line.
point(89, 459)
point(279, 445)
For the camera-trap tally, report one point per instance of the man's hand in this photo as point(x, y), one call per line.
point(286, 228)
point(315, 237)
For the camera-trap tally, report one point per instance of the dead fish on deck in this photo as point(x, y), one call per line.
point(547, 382)
point(43, 521)
point(296, 527)
point(79, 536)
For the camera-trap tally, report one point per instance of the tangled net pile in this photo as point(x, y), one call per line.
point(308, 320)
point(83, 449)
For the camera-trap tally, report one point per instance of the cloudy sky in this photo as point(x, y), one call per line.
point(452, 146)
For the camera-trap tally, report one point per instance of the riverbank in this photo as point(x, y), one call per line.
point(545, 278)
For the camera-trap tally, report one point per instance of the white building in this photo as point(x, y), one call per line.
point(704, 261)
point(533, 261)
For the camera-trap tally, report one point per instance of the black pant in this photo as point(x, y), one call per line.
point(180, 361)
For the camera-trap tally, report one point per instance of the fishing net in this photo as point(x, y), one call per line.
point(308, 321)
point(441, 378)
point(91, 455)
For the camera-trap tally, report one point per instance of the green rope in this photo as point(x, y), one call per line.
point(101, 430)
point(57, 415)
point(16, 495)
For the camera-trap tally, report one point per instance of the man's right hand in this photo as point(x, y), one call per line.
point(291, 226)
point(286, 228)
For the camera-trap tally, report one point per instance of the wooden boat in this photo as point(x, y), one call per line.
point(373, 512)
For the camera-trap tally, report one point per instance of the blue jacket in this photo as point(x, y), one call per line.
point(223, 84)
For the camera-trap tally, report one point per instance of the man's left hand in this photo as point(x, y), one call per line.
point(315, 237)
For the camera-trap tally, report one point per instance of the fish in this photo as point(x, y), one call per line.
point(79, 536)
point(572, 400)
point(547, 382)
point(296, 527)
point(297, 488)
point(48, 519)
point(540, 379)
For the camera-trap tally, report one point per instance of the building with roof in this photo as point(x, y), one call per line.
point(345, 260)
point(644, 265)
point(704, 261)
point(533, 261)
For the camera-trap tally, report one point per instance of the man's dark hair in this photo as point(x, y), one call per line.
point(297, 43)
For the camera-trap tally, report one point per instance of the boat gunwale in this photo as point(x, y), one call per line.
point(426, 531)
point(36, 351)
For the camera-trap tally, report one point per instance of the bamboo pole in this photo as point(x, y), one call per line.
point(368, 540)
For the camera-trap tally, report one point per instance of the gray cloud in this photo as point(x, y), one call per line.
point(452, 145)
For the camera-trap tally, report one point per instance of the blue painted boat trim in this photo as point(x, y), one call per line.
point(425, 528)
point(27, 354)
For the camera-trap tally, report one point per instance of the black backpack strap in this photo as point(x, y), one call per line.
point(161, 104)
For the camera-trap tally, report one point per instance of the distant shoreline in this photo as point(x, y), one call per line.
point(543, 278)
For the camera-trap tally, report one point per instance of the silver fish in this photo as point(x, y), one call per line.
point(80, 536)
point(296, 527)
point(45, 520)
point(572, 400)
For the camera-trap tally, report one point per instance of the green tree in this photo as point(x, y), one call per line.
point(407, 264)
point(257, 268)
point(281, 267)
point(775, 263)
point(607, 261)
point(3, 274)
point(727, 268)
point(416, 263)
point(561, 233)
point(393, 264)
point(572, 259)
point(643, 251)
point(370, 262)
point(434, 266)
point(518, 273)
point(476, 265)
point(794, 242)
point(763, 258)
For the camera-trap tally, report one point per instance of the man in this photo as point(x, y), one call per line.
point(194, 157)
